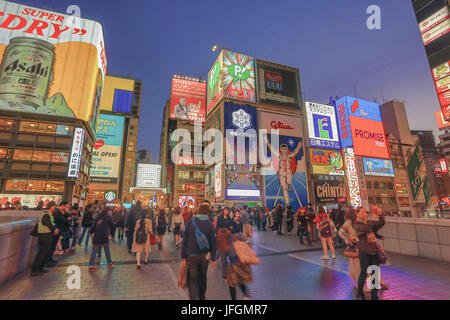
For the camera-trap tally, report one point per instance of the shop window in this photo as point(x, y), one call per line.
point(47, 128)
point(41, 156)
point(60, 157)
point(22, 154)
point(6, 124)
point(64, 130)
point(26, 126)
point(5, 153)
point(35, 185)
point(54, 186)
point(382, 185)
point(376, 185)
point(16, 185)
point(403, 201)
point(369, 185)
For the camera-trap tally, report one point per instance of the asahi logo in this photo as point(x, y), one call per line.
point(36, 69)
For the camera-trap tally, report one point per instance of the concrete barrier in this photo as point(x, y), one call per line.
point(17, 246)
point(420, 237)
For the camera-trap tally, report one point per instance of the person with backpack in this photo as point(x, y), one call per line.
point(100, 230)
point(197, 251)
point(177, 226)
point(234, 272)
point(326, 231)
point(141, 242)
point(86, 224)
point(161, 226)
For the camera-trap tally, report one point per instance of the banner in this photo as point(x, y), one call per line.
point(433, 20)
point(52, 63)
point(326, 162)
point(352, 178)
point(436, 32)
point(378, 167)
point(322, 125)
point(218, 179)
point(29, 200)
point(329, 189)
point(188, 100)
point(76, 153)
point(413, 168)
point(106, 158)
point(427, 191)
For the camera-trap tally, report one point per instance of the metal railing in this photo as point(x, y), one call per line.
point(11, 217)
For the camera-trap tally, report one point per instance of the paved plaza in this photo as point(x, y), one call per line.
point(287, 270)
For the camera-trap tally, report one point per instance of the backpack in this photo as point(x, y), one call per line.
point(201, 239)
point(141, 233)
point(325, 228)
point(161, 222)
point(245, 253)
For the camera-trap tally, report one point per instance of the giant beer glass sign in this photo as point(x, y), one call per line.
point(50, 65)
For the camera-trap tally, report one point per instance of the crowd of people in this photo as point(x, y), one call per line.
point(205, 235)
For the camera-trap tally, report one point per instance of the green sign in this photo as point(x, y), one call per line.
point(238, 72)
point(427, 191)
point(213, 77)
point(110, 196)
point(414, 165)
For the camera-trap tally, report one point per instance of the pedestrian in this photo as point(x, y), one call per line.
point(101, 231)
point(130, 223)
point(258, 214)
point(326, 227)
point(177, 226)
point(142, 235)
point(339, 221)
point(197, 251)
point(264, 216)
point(86, 224)
point(238, 227)
point(40, 205)
point(303, 226)
point(76, 219)
point(121, 225)
point(245, 219)
point(312, 226)
point(278, 223)
point(348, 233)
point(365, 231)
point(169, 216)
point(116, 217)
point(46, 230)
point(161, 226)
point(289, 218)
point(63, 224)
point(224, 220)
point(234, 272)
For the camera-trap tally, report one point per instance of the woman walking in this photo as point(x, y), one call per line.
point(121, 224)
point(177, 226)
point(100, 230)
point(234, 272)
point(141, 239)
point(326, 228)
point(348, 233)
point(161, 226)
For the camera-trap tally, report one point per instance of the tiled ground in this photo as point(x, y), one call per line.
point(287, 271)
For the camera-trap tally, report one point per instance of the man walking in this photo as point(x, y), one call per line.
point(245, 220)
point(130, 223)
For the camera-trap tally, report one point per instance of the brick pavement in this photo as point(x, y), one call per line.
point(287, 271)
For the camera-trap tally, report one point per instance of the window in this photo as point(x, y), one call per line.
point(54, 186)
point(22, 154)
point(64, 130)
point(47, 128)
point(198, 175)
point(403, 201)
point(16, 185)
point(369, 185)
point(392, 200)
point(35, 185)
point(5, 153)
point(60, 157)
point(41, 156)
point(370, 199)
point(6, 124)
point(376, 185)
point(378, 200)
point(382, 185)
point(183, 174)
point(390, 186)
point(26, 126)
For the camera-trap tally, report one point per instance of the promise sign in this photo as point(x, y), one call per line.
point(414, 165)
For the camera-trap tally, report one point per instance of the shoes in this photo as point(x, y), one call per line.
point(138, 267)
point(302, 242)
point(334, 257)
point(110, 265)
point(360, 296)
point(159, 246)
point(36, 274)
point(92, 269)
point(324, 258)
point(145, 262)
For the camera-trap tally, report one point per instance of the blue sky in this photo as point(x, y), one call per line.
point(327, 40)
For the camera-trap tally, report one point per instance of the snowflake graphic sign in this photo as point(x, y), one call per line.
point(241, 119)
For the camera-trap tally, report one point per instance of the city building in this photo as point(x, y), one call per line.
point(48, 119)
point(114, 156)
point(143, 156)
point(427, 142)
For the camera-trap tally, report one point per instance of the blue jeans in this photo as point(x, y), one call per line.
point(80, 240)
point(66, 239)
point(304, 233)
point(95, 248)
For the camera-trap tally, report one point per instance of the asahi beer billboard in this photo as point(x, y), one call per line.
point(51, 63)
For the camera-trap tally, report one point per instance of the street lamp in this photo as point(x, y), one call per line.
point(216, 47)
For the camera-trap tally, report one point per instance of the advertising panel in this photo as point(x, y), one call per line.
point(369, 139)
point(427, 191)
point(352, 177)
point(446, 112)
point(287, 125)
point(218, 179)
point(329, 189)
point(322, 125)
point(117, 94)
point(436, 32)
point(343, 123)
point(29, 200)
point(444, 99)
point(239, 77)
point(326, 162)
point(215, 89)
point(50, 65)
point(378, 167)
point(106, 157)
point(413, 168)
point(188, 100)
point(273, 81)
point(443, 84)
point(443, 164)
point(76, 153)
point(433, 20)
point(441, 71)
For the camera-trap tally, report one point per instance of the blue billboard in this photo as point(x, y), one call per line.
point(378, 167)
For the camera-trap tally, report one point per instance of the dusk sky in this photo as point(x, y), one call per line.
point(327, 40)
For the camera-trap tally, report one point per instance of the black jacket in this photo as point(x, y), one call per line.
point(190, 246)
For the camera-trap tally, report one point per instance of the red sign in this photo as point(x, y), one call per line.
point(441, 121)
point(188, 100)
point(444, 167)
point(443, 84)
point(280, 125)
point(441, 71)
point(444, 99)
point(446, 113)
point(369, 139)
point(275, 77)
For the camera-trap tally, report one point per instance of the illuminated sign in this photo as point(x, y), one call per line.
point(186, 201)
point(322, 126)
point(273, 81)
point(378, 167)
point(218, 180)
point(76, 153)
point(188, 100)
point(107, 151)
point(443, 164)
point(326, 162)
point(434, 20)
point(441, 71)
point(329, 189)
point(442, 123)
point(436, 32)
point(29, 200)
point(243, 193)
point(49, 64)
point(352, 177)
point(369, 139)
point(413, 169)
point(110, 196)
point(287, 125)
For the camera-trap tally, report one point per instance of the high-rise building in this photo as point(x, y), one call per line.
point(143, 156)
point(427, 142)
point(48, 118)
point(114, 155)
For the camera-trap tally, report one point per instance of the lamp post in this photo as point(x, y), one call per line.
point(217, 47)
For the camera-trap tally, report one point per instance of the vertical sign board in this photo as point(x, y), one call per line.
point(322, 126)
point(76, 153)
point(443, 164)
point(218, 180)
point(352, 177)
point(413, 167)
point(427, 191)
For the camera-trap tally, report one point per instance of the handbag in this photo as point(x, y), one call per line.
point(152, 240)
point(351, 251)
point(381, 254)
point(182, 275)
point(244, 252)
